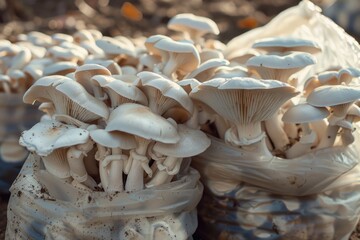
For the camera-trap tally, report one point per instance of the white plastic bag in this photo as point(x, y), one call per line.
point(44, 207)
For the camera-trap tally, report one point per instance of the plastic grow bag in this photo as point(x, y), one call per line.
point(44, 207)
point(15, 117)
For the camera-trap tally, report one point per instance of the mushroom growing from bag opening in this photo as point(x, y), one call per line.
point(69, 98)
point(192, 142)
point(339, 98)
point(111, 158)
point(245, 102)
point(146, 126)
point(304, 114)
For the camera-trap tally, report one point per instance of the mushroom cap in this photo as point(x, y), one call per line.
point(151, 41)
point(165, 94)
point(121, 92)
point(139, 120)
point(291, 60)
point(192, 142)
point(190, 22)
point(59, 68)
point(206, 69)
point(114, 139)
point(68, 96)
point(46, 136)
point(185, 53)
point(304, 113)
point(243, 100)
point(112, 46)
point(284, 44)
point(188, 84)
point(84, 73)
point(332, 95)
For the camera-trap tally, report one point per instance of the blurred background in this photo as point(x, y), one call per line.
point(147, 17)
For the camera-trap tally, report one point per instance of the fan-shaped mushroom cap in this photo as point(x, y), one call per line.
point(114, 139)
point(39, 39)
point(192, 142)
point(68, 96)
point(61, 37)
point(195, 26)
point(286, 44)
point(244, 100)
point(164, 94)
point(121, 92)
point(46, 136)
point(138, 120)
point(113, 67)
point(183, 56)
point(65, 54)
point(59, 68)
point(114, 47)
point(84, 73)
point(230, 72)
point(206, 69)
point(150, 45)
point(83, 35)
point(188, 84)
point(304, 113)
point(332, 95)
point(21, 59)
point(279, 67)
point(242, 55)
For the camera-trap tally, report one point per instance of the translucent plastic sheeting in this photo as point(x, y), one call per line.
point(315, 196)
point(306, 21)
point(38, 209)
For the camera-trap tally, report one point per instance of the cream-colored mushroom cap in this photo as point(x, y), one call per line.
point(68, 96)
point(185, 54)
point(194, 25)
point(279, 67)
point(46, 136)
point(207, 69)
point(121, 92)
point(243, 100)
point(84, 73)
point(285, 44)
point(114, 139)
point(61, 37)
point(163, 94)
point(139, 120)
point(192, 142)
point(304, 113)
point(60, 68)
point(333, 95)
point(150, 43)
point(188, 84)
point(113, 47)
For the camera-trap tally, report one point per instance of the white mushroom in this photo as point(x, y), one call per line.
point(192, 142)
point(286, 44)
point(146, 126)
point(304, 114)
point(244, 102)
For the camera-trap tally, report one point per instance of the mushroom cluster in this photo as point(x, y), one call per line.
point(135, 99)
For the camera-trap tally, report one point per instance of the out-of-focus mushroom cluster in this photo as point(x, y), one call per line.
point(123, 113)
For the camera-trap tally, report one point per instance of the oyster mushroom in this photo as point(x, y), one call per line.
point(339, 98)
point(84, 74)
point(206, 69)
point(121, 92)
point(286, 44)
point(193, 27)
point(192, 142)
point(59, 68)
point(245, 103)
point(183, 57)
point(304, 114)
point(163, 94)
point(352, 116)
point(146, 126)
point(68, 97)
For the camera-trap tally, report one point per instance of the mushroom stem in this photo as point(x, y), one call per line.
point(166, 171)
point(100, 155)
point(75, 156)
point(114, 165)
point(347, 136)
point(276, 132)
point(138, 162)
point(244, 134)
point(170, 66)
point(319, 127)
point(329, 138)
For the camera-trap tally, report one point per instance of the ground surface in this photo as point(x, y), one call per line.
point(145, 17)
